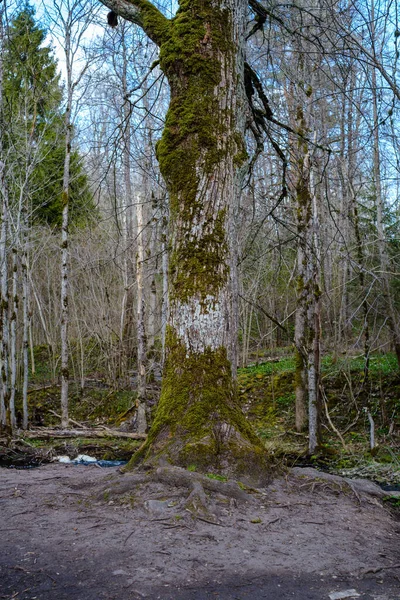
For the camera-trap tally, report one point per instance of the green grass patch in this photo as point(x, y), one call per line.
point(216, 477)
point(270, 367)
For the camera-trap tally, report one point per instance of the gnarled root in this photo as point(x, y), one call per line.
point(197, 484)
point(178, 477)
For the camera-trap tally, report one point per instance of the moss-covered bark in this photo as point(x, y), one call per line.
point(199, 144)
point(201, 156)
point(199, 421)
point(307, 333)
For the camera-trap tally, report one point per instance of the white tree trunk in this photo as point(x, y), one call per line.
point(4, 328)
point(64, 241)
point(3, 249)
point(141, 315)
point(13, 337)
point(26, 327)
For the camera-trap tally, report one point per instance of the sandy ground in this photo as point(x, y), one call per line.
point(63, 538)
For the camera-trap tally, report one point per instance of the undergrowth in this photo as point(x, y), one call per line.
point(267, 395)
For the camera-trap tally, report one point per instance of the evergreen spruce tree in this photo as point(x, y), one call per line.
point(33, 110)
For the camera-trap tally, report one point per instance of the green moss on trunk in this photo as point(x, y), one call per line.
point(199, 135)
point(198, 419)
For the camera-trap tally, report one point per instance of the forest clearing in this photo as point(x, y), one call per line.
point(199, 299)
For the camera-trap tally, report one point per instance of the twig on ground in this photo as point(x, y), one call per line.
point(69, 419)
point(207, 520)
point(127, 538)
point(273, 521)
point(378, 569)
point(334, 429)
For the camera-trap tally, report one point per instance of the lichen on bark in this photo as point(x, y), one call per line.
point(201, 155)
point(199, 137)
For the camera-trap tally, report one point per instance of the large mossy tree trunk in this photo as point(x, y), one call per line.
point(202, 157)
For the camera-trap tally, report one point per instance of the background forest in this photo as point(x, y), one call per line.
point(84, 230)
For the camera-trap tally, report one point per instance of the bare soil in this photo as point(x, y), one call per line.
point(85, 533)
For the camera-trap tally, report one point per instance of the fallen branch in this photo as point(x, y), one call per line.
point(69, 419)
point(43, 387)
point(377, 569)
point(45, 434)
point(130, 409)
point(207, 520)
point(334, 429)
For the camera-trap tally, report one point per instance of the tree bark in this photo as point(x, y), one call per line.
point(13, 336)
point(164, 249)
point(26, 324)
point(4, 391)
point(141, 315)
point(128, 309)
point(64, 240)
point(307, 325)
point(202, 158)
point(393, 319)
point(4, 325)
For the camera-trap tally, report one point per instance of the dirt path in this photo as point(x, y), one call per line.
point(63, 538)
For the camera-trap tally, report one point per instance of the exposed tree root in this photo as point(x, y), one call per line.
point(178, 477)
point(360, 487)
point(198, 502)
point(119, 487)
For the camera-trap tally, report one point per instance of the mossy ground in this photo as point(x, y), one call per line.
point(97, 404)
point(91, 406)
point(267, 395)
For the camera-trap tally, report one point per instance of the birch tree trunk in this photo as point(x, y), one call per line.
point(4, 325)
point(202, 158)
point(13, 336)
point(141, 315)
point(26, 324)
point(64, 240)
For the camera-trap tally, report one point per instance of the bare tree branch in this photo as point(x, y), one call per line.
point(144, 14)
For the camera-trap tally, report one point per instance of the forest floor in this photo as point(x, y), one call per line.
point(66, 535)
point(74, 532)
